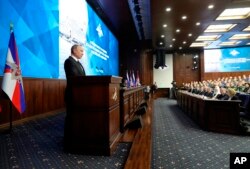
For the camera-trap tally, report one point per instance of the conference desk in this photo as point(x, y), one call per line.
point(210, 114)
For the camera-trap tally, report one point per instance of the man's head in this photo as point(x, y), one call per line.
point(77, 51)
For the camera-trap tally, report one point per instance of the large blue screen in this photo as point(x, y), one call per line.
point(46, 30)
point(227, 59)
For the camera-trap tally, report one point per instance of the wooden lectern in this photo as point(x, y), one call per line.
point(92, 121)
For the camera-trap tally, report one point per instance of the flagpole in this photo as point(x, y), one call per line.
point(10, 124)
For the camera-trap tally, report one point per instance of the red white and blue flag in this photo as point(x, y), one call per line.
point(12, 83)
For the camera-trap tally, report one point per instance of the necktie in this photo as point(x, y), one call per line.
point(80, 64)
point(81, 67)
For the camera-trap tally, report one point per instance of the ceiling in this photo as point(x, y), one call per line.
point(143, 20)
point(195, 11)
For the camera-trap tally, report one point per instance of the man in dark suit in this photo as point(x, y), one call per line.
point(72, 65)
point(72, 68)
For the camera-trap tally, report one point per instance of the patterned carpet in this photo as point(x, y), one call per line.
point(179, 143)
point(38, 145)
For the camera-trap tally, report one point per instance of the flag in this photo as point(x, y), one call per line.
point(128, 80)
point(133, 78)
point(12, 83)
point(138, 79)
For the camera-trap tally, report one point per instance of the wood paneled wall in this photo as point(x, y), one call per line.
point(41, 96)
point(183, 69)
point(137, 57)
point(183, 72)
point(146, 60)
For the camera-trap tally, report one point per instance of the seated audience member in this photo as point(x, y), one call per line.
point(232, 94)
point(216, 90)
point(247, 88)
point(209, 93)
point(223, 94)
point(240, 86)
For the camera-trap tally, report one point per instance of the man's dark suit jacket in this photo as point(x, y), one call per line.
point(73, 68)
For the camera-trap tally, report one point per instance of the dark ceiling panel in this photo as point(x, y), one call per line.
point(117, 14)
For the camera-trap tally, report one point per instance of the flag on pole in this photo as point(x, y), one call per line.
point(12, 83)
point(138, 79)
point(128, 79)
point(133, 78)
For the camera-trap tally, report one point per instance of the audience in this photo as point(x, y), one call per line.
point(224, 88)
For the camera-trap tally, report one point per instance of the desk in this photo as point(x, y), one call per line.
point(212, 115)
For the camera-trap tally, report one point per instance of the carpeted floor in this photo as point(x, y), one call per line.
point(179, 143)
point(38, 145)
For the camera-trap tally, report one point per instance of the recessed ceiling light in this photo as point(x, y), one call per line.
point(164, 25)
point(184, 42)
point(180, 47)
point(210, 6)
point(178, 30)
point(229, 43)
point(220, 28)
point(240, 36)
point(173, 39)
point(234, 13)
point(247, 28)
point(161, 43)
point(190, 34)
point(162, 36)
point(208, 37)
point(168, 9)
point(198, 23)
point(184, 17)
point(170, 46)
point(199, 44)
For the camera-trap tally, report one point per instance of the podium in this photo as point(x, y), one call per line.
point(92, 123)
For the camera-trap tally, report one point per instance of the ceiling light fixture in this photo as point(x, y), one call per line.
point(220, 28)
point(199, 44)
point(208, 37)
point(234, 13)
point(210, 6)
point(164, 25)
point(247, 28)
point(168, 9)
point(184, 17)
point(178, 30)
point(198, 23)
point(240, 36)
point(229, 43)
point(162, 36)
